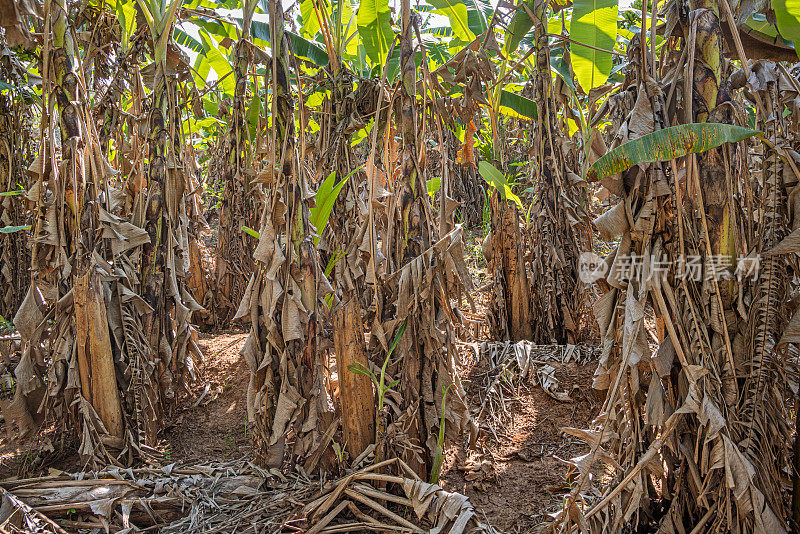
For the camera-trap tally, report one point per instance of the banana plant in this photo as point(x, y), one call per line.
point(163, 211)
point(238, 208)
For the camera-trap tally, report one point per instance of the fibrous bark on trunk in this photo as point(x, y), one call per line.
point(355, 389)
point(510, 308)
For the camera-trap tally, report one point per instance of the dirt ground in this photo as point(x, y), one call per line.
point(216, 427)
point(514, 477)
point(517, 474)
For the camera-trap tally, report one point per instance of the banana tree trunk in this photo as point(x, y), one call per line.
point(510, 309)
point(417, 291)
point(234, 260)
point(15, 148)
point(559, 224)
point(288, 390)
point(157, 219)
point(357, 397)
point(410, 238)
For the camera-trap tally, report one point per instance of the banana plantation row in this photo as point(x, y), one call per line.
point(336, 147)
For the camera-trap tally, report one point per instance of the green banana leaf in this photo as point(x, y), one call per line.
point(252, 233)
point(375, 27)
point(433, 185)
point(308, 50)
point(787, 17)
point(12, 193)
point(517, 106)
point(220, 64)
point(310, 23)
point(667, 144)
point(201, 70)
point(13, 229)
point(457, 12)
point(326, 196)
point(212, 4)
point(301, 46)
point(594, 22)
point(436, 48)
point(219, 28)
point(495, 178)
point(759, 27)
point(520, 25)
point(184, 39)
point(478, 14)
point(253, 113)
point(562, 69)
point(126, 15)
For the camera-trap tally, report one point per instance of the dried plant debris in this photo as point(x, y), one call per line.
point(363, 502)
point(16, 516)
point(220, 497)
point(234, 497)
point(510, 364)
